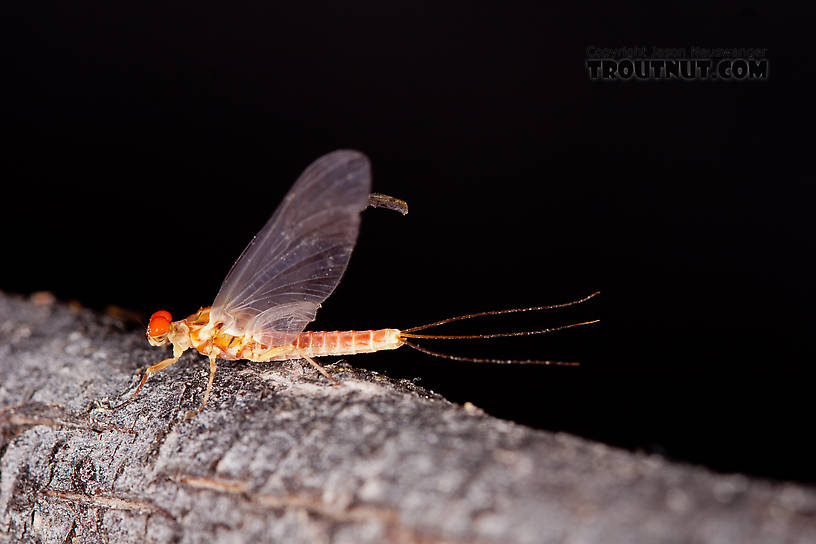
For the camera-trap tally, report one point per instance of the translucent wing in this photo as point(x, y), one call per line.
point(297, 259)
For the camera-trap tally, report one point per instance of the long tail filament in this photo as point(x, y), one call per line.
point(409, 333)
point(495, 335)
point(501, 312)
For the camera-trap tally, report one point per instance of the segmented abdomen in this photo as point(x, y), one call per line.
point(320, 343)
point(307, 344)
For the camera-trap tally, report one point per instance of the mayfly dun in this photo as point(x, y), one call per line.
point(293, 264)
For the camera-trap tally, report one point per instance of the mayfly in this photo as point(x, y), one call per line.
point(294, 263)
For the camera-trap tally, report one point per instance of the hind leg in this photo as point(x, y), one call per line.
point(320, 369)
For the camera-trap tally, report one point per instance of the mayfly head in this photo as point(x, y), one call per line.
point(159, 327)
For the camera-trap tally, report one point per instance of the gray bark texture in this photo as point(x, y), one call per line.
point(280, 455)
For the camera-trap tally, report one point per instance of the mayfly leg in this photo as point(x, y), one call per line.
point(319, 368)
point(158, 367)
point(213, 368)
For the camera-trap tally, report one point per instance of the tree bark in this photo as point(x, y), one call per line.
point(280, 455)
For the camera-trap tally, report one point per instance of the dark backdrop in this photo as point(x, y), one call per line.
point(144, 147)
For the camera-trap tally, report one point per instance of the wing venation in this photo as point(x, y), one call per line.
point(297, 259)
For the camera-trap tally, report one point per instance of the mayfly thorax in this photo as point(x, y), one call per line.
point(294, 263)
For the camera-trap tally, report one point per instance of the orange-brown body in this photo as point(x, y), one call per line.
point(197, 332)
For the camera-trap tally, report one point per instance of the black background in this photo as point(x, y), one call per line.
point(145, 147)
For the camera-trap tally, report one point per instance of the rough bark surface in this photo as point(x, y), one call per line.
point(278, 455)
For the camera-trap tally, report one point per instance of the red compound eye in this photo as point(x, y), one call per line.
point(159, 323)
